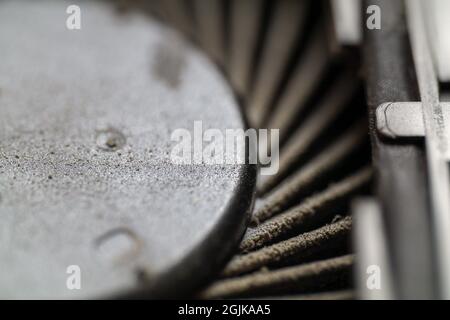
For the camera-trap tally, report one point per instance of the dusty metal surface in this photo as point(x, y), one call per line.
point(269, 45)
point(85, 172)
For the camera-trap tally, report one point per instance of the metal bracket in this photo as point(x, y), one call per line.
point(429, 119)
point(400, 120)
point(397, 120)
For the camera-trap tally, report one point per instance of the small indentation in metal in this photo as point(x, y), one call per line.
point(143, 275)
point(118, 246)
point(110, 139)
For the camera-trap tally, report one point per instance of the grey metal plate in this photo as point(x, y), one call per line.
point(85, 172)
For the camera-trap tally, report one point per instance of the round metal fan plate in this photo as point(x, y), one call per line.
point(87, 185)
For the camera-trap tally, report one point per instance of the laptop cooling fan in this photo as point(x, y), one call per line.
point(86, 118)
